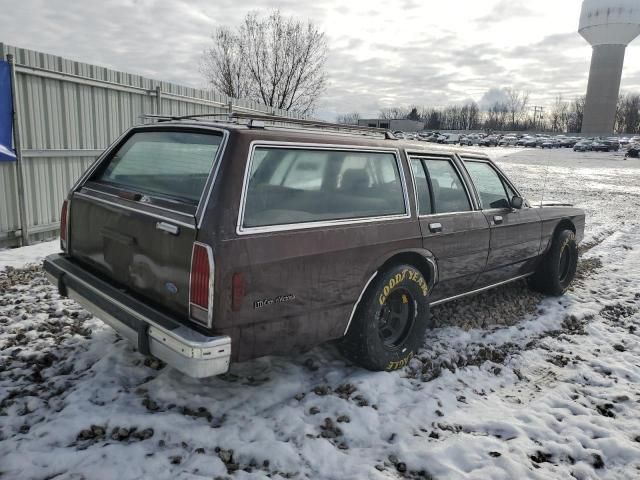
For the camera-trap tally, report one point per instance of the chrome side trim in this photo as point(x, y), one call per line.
point(177, 212)
point(328, 223)
point(436, 273)
point(355, 306)
point(478, 290)
point(447, 214)
point(137, 210)
point(211, 284)
point(240, 230)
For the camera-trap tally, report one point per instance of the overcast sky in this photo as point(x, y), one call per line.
point(382, 54)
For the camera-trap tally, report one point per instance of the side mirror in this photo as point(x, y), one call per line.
point(517, 202)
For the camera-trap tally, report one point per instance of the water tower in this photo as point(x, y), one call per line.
point(609, 26)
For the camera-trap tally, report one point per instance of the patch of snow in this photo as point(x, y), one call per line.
point(19, 257)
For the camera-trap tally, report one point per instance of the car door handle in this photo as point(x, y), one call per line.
point(497, 219)
point(168, 227)
point(435, 227)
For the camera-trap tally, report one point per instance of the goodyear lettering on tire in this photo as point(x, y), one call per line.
point(403, 362)
point(413, 275)
point(566, 242)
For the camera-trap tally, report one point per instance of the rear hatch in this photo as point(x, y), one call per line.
point(134, 219)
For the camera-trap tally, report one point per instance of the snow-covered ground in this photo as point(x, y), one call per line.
point(554, 393)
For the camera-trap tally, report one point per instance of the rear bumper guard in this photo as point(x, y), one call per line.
point(153, 332)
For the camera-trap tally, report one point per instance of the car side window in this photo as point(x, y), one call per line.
point(488, 184)
point(296, 185)
point(422, 187)
point(449, 194)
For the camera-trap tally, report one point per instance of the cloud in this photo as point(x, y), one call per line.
point(491, 97)
point(506, 10)
point(393, 54)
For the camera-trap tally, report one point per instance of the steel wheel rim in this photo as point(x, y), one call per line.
point(395, 318)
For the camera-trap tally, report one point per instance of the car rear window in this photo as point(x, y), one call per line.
point(170, 164)
point(293, 185)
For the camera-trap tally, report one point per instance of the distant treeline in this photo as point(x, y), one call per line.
point(513, 114)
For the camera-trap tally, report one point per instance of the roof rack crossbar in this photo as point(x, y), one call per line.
point(251, 117)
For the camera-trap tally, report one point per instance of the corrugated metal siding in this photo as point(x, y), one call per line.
point(68, 105)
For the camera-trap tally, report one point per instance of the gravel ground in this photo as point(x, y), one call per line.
point(513, 385)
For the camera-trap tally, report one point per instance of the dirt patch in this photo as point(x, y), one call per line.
point(505, 305)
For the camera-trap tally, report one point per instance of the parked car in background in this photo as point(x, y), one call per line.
point(508, 141)
point(568, 142)
point(205, 243)
point(471, 139)
point(489, 141)
point(633, 151)
point(614, 142)
point(550, 143)
point(600, 145)
point(530, 142)
point(522, 140)
point(583, 146)
point(449, 138)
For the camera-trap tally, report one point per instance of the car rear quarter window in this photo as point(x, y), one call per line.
point(448, 192)
point(489, 185)
point(297, 185)
point(164, 163)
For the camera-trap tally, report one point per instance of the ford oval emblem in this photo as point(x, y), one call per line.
point(171, 288)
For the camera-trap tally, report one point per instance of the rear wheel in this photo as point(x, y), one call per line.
point(558, 267)
point(390, 322)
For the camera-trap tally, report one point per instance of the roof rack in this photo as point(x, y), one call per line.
point(256, 120)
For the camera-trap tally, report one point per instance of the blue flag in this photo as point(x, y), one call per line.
point(6, 114)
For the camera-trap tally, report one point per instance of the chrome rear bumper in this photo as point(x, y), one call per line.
point(153, 332)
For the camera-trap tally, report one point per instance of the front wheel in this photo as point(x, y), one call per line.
point(390, 322)
point(558, 267)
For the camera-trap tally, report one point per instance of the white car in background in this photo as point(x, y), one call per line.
point(508, 141)
point(471, 139)
point(450, 138)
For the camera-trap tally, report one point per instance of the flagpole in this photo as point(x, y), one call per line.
point(24, 220)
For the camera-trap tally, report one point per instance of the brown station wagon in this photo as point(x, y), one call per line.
point(206, 242)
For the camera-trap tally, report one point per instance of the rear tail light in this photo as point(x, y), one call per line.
point(64, 225)
point(201, 284)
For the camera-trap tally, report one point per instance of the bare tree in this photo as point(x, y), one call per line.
point(223, 65)
point(559, 116)
point(276, 60)
point(628, 114)
point(497, 117)
point(517, 102)
point(393, 113)
point(575, 115)
point(348, 118)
